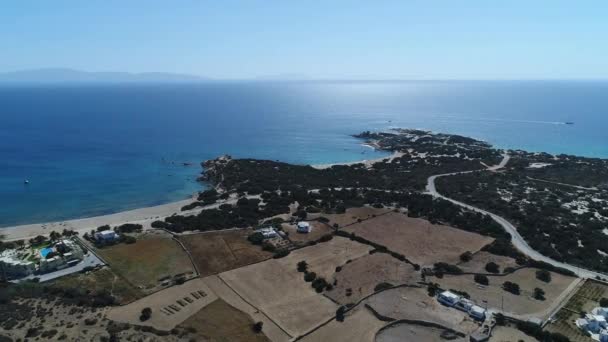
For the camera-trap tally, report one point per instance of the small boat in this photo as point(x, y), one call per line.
point(26, 182)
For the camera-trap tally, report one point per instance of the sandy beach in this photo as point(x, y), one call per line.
point(142, 215)
point(366, 162)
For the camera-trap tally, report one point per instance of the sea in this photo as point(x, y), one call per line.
point(91, 150)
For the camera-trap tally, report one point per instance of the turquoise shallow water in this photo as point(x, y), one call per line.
point(93, 150)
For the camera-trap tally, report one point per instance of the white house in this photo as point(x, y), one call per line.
point(477, 312)
point(448, 298)
point(106, 235)
point(268, 233)
point(13, 266)
point(464, 305)
point(303, 227)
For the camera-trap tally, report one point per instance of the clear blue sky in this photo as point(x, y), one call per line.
point(314, 39)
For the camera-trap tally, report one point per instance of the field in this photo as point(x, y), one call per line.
point(585, 299)
point(101, 280)
point(170, 306)
point(419, 240)
point(411, 332)
point(318, 230)
point(359, 325)
point(363, 274)
point(147, 261)
point(276, 288)
point(415, 304)
point(523, 304)
point(222, 251)
point(219, 321)
point(508, 334)
point(352, 215)
point(480, 259)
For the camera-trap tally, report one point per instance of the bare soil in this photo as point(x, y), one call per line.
point(480, 259)
point(419, 240)
point(359, 325)
point(353, 215)
point(218, 252)
point(362, 275)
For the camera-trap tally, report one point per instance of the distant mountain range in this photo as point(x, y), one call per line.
point(61, 75)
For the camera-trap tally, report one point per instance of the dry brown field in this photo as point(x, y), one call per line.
point(318, 230)
point(480, 259)
point(352, 215)
point(416, 304)
point(148, 260)
point(419, 240)
point(411, 332)
point(363, 274)
point(220, 322)
point(508, 334)
point(222, 251)
point(359, 325)
point(276, 288)
point(523, 304)
point(170, 306)
point(323, 258)
point(101, 280)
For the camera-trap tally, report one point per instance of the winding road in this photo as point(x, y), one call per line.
point(517, 240)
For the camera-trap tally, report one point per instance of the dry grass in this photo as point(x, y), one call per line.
point(220, 322)
point(359, 325)
point(279, 290)
point(148, 260)
point(362, 275)
point(415, 303)
point(411, 332)
point(480, 259)
point(518, 304)
point(101, 280)
point(170, 306)
point(419, 240)
point(222, 251)
point(352, 215)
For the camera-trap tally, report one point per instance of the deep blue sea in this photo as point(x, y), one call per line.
point(89, 150)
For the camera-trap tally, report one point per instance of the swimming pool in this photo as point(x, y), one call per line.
point(45, 251)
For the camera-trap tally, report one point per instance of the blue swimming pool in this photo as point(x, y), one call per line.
point(45, 251)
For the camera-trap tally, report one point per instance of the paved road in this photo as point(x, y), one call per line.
point(517, 240)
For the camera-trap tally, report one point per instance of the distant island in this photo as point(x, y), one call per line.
point(66, 75)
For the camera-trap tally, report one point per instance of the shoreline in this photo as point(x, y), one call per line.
point(144, 216)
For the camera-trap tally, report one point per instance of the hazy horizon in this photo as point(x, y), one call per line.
point(236, 40)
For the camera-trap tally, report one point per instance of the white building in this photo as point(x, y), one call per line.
point(106, 235)
point(464, 305)
point(268, 233)
point(13, 266)
point(477, 312)
point(448, 298)
point(303, 227)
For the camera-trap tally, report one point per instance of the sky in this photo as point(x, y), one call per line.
point(311, 39)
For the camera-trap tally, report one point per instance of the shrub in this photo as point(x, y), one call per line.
point(481, 279)
point(146, 313)
point(340, 314)
point(443, 267)
point(257, 327)
point(159, 224)
point(319, 284)
point(338, 269)
point(511, 287)
point(543, 275)
point(539, 294)
point(310, 276)
point(256, 238)
point(326, 237)
point(604, 302)
point(281, 253)
point(382, 286)
point(492, 267)
point(302, 266)
point(466, 256)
